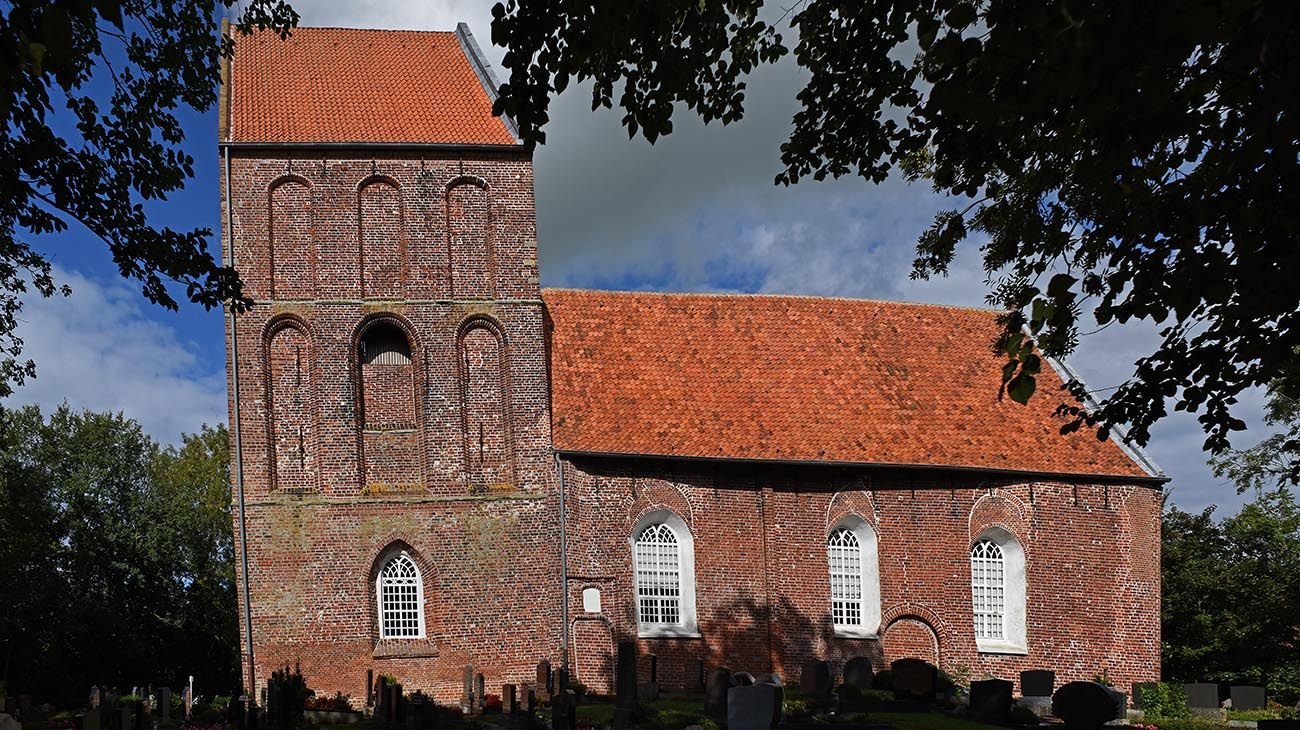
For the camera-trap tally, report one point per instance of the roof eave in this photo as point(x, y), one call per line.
point(1151, 481)
point(334, 145)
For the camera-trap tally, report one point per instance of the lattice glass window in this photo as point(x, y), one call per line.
point(401, 599)
point(658, 576)
point(844, 553)
point(988, 590)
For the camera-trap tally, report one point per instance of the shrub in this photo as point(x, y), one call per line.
point(1191, 723)
point(1162, 700)
point(874, 697)
point(338, 703)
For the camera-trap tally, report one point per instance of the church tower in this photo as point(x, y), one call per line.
point(390, 381)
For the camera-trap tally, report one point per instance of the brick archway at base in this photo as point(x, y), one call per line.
point(593, 654)
point(911, 637)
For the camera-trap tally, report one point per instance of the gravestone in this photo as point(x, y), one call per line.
point(467, 690)
point(754, 707)
point(715, 693)
point(1140, 690)
point(915, 678)
point(564, 710)
point(991, 699)
point(1087, 705)
point(817, 681)
point(543, 680)
point(742, 679)
point(858, 672)
point(1245, 697)
point(165, 704)
point(1203, 699)
point(772, 678)
point(1037, 683)
point(625, 685)
point(654, 668)
point(94, 698)
point(480, 695)
point(509, 701)
point(370, 687)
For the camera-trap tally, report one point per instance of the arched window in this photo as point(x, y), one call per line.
point(663, 556)
point(997, 586)
point(854, 568)
point(400, 593)
point(387, 378)
point(987, 586)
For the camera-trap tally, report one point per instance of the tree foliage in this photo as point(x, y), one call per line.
point(1138, 160)
point(116, 555)
point(1232, 594)
point(89, 96)
point(1274, 461)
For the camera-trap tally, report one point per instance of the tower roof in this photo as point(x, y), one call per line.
point(350, 85)
point(803, 379)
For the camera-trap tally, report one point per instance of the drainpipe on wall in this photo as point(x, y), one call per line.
point(239, 444)
point(564, 569)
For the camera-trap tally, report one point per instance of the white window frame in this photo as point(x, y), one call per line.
point(419, 595)
point(868, 579)
point(686, 625)
point(1013, 639)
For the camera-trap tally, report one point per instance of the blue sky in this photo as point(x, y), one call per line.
point(695, 212)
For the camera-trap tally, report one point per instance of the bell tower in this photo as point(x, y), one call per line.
point(391, 376)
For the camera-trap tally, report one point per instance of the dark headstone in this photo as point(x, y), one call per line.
point(1037, 683)
point(543, 680)
point(625, 685)
point(1279, 725)
point(564, 711)
point(991, 699)
point(254, 718)
point(1202, 695)
point(1140, 690)
point(742, 679)
point(370, 687)
point(165, 704)
point(467, 703)
point(771, 678)
point(1086, 705)
point(715, 693)
point(654, 668)
point(509, 701)
point(1246, 697)
point(914, 678)
point(480, 694)
point(816, 681)
point(754, 707)
point(858, 672)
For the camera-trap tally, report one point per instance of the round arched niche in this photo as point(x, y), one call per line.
point(909, 637)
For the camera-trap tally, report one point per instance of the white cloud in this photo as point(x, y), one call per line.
point(99, 349)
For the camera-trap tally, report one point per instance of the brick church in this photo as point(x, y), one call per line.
point(440, 463)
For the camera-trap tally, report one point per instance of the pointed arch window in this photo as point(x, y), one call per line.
point(663, 556)
point(400, 592)
point(998, 588)
point(853, 565)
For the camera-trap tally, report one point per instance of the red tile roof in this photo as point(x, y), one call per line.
point(353, 85)
point(800, 379)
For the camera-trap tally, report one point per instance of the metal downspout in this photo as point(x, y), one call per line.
point(564, 569)
point(239, 444)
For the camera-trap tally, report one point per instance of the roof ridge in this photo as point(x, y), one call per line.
point(774, 295)
point(377, 30)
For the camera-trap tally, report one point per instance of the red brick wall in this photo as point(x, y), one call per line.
point(1093, 590)
point(344, 461)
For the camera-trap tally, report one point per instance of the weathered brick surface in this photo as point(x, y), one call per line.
point(448, 457)
point(762, 587)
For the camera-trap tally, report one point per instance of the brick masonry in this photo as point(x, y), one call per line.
point(447, 455)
